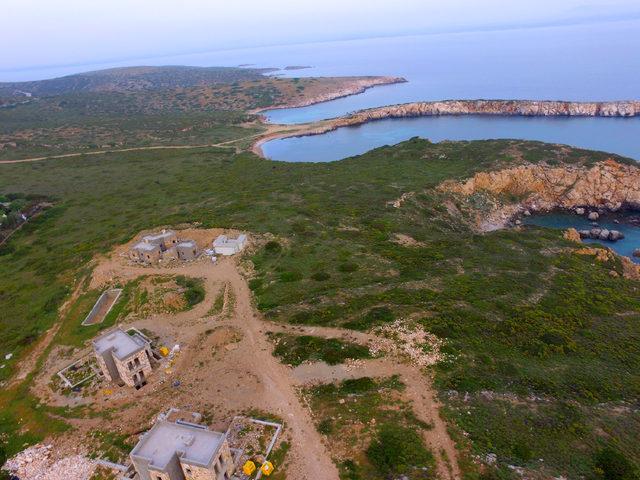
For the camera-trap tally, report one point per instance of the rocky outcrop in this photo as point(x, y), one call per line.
point(521, 108)
point(350, 86)
point(601, 234)
point(607, 185)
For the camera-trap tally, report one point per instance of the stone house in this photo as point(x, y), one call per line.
point(145, 252)
point(182, 451)
point(224, 245)
point(123, 358)
point(187, 250)
point(165, 239)
point(152, 247)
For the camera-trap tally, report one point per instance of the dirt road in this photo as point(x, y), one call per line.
point(252, 359)
point(226, 367)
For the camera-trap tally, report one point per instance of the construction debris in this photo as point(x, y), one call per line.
point(35, 463)
point(422, 347)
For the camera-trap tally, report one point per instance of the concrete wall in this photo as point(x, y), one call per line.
point(193, 472)
point(187, 253)
point(108, 366)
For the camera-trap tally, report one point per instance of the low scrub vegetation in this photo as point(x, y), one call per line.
point(537, 338)
point(372, 428)
point(294, 350)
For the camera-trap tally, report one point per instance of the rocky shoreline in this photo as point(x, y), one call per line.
point(605, 187)
point(507, 108)
point(355, 86)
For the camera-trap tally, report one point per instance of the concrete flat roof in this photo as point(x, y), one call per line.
point(145, 246)
point(187, 243)
point(165, 439)
point(159, 236)
point(123, 344)
point(223, 240)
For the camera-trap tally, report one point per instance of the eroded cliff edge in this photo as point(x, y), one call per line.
point(493, 200)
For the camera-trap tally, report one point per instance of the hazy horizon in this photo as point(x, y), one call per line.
point(72, 35)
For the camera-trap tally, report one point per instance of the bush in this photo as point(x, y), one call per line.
point(397, 450)
point(273, 247)
point(321, 276)
point(348, 267)
point(613, 465)
point(290, 276)
point(194, 292)
point(325, 426)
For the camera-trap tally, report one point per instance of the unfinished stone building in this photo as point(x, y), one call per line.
point(182, 451)
point(224, 245)
point(165, 239)
point(164, 246)
point(123, 358)
point(187, 250)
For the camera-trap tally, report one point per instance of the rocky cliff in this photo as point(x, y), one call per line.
point(525, 108)
point(606, 185)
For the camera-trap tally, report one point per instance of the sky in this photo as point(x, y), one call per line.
point(36, 34)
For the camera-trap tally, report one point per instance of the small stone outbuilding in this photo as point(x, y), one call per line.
point(165, 239)
point(187, 250)
point(182, 451)
point(145, 253)
point(123, 358)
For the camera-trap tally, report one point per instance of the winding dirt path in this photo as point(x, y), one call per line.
point(308, 458)
point(248, 376)
point(130, 149)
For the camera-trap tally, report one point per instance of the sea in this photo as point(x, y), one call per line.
point(587, 62)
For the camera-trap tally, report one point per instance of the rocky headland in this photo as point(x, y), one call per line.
point(348, 86)
point(590, 191)
point(607, 186)
point(522, 108)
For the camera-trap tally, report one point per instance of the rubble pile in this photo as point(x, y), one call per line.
point(422, 347)
point(36, 463)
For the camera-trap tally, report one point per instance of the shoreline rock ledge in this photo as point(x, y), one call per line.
point(608, 184)
point(604, 186)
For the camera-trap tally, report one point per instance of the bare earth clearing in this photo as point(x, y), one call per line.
point(225, 367)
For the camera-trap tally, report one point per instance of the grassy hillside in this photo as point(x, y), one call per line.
point(202, 113)
point(128, 79)
point(542, 345)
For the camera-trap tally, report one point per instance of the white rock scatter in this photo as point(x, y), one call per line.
point(37, 463)
point(422, 347)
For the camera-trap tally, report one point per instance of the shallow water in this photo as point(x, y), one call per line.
point(614, 135)
point(625, 246)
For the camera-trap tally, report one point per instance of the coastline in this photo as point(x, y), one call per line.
point(359, 85)
point(504, 108)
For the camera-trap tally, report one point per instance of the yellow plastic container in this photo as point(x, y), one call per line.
point(249, 467)
point(267, 468)
point(164, 351)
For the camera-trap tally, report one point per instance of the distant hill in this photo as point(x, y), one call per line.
point(128, 79)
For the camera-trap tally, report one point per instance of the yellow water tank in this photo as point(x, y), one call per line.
point(164, 351)
point(267, 468)
point(249, 467)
